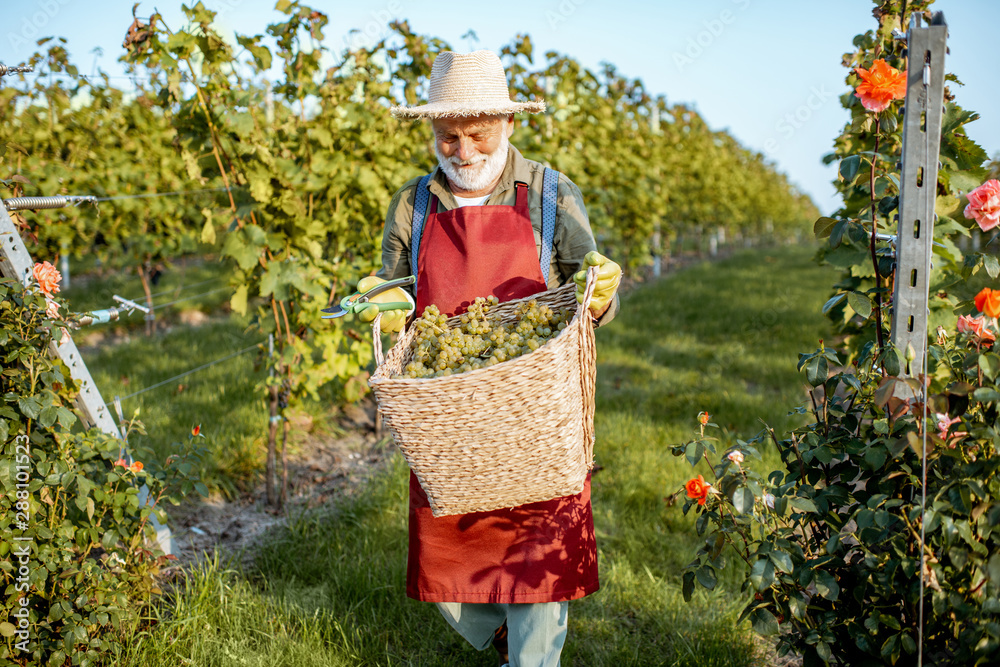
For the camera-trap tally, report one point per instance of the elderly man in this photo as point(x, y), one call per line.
point(487, 221)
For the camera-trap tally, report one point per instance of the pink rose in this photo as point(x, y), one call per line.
point(47, 276)
point(944, 425)
point(735, 456)
point(977, 327)
point(984, 205)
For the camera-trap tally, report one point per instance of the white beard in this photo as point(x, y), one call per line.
point(487, 168)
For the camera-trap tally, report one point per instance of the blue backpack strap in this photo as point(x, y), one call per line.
point(550, 188)
point(417, 224)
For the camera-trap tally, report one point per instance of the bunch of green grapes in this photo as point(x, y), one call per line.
point(481, 339)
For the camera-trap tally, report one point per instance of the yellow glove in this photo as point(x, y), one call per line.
point(609, 274)
point(392, 320)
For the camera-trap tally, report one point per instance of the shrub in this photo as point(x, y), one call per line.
point(843, 554)
point(831, 544)
point(75, 567)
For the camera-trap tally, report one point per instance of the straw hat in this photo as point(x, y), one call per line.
point(467, 84)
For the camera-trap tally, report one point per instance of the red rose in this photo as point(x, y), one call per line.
point(697, 489)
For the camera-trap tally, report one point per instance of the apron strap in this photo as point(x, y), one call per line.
point(420, 201)
point(521, 195)
point(550, 188)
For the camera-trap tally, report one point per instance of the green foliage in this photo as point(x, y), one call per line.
point(307, 192)
point(76, 569)
point(832, 543)
point(307, 167)
point(841, 560)
point(89, 138)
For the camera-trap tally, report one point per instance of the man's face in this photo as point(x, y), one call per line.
point(469, 139)
point(472, 151)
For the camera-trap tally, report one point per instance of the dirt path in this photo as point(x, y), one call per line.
point(324, 470)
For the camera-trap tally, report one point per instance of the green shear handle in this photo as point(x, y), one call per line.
point(350, 304)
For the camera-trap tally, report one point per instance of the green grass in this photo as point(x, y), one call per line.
point(328, 589)
point(221, 398)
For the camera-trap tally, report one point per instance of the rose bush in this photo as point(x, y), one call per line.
point(75, 566)
point(843, 559)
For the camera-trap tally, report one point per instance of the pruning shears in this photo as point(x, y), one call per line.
point(351, 303)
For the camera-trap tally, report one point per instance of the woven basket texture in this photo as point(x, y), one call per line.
point(518, 432)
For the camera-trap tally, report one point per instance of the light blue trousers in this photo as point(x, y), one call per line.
point(536, 632)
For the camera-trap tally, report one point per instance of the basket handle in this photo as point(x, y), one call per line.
point(377, 340)
point(588, 292)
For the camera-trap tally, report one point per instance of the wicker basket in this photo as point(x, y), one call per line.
point(518, 432)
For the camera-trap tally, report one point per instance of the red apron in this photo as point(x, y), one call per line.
point(540, 552)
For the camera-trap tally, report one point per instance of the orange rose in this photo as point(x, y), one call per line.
point(880, 85)
point(47, 277)
point(121, 462)
point(697, 489)
point(196, 430)
point(988, 302)
point(136, 467)
point(703, 417)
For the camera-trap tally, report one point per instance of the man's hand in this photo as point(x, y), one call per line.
point(392, 320)
point(609, 274)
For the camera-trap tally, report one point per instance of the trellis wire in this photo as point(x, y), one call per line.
point(190, 372)
point(60, 201)
point(188, 298)
point(180, 288)
point(159, 194)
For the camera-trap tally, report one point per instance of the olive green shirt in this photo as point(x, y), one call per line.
point(573, 237)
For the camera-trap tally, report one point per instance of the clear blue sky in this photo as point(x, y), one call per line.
point(767, 70)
